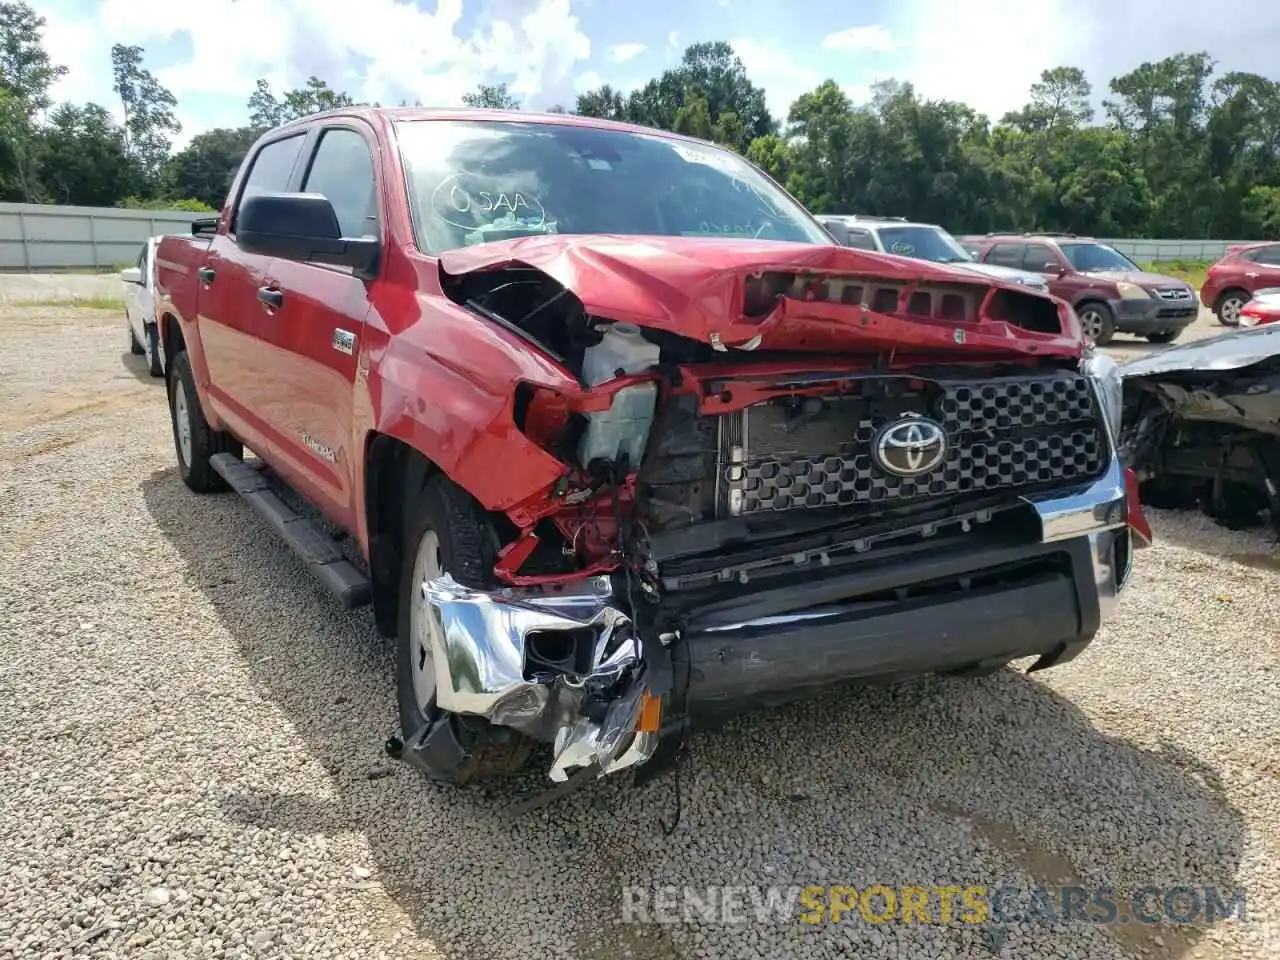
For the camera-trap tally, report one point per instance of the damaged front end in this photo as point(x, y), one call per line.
point(1201, 426)
point(893, 474)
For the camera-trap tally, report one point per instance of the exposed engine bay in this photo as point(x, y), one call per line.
point(1202, 426)
point(716, 492)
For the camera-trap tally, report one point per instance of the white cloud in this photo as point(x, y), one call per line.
point(673, 42)
point(588, 80)
point(383, 50)
point(869, 39)
point(771, 67)
point(622, 52)
point(986, 53)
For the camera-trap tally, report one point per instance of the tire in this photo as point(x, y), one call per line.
point(201, 440)
point(1097, 321)
point(440, 518)
point(1164, 336)
point(134, 346)
point(1228, 307)
point(151, 350)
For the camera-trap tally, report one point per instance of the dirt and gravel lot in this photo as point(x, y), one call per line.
point(191, 741)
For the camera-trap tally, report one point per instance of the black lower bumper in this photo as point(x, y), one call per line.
point(1153, 316)
point(940, 613)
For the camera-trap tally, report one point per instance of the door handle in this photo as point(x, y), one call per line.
point(270, 296)
point(207, 274)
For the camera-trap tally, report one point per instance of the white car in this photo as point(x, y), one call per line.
point(140, 308)
point(920, 241)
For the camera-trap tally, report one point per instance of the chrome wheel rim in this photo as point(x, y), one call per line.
point(427, 565)
point(1231, 310)
point(182, 423)
point(1091, 323)
point(148, 349)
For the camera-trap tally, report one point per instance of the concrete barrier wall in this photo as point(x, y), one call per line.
point(35, 237)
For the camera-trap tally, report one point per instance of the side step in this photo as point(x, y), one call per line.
point(312, 546)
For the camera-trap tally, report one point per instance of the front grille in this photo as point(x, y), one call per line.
point(1002, 434)
point(1175, 295)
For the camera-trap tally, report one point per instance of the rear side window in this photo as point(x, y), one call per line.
point(861, 240)
point(1040, 258)
point(1006, 254)
point(342, 171)
point(1269, 256)
point(271, 168)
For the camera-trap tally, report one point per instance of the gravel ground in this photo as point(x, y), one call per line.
point(191, 747)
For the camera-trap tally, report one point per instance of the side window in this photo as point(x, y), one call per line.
point(142, 261)
point(271, 168)
point(861, 240)
point(1040, 258)
point(343, 172)
point(1269, 256)
point(1006, 254)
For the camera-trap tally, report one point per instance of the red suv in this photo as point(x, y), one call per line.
point(1246, 268)
point(1110, 293)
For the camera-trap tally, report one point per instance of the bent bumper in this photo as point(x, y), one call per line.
point(570, 667)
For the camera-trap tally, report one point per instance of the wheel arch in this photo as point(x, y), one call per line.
point(391, 467)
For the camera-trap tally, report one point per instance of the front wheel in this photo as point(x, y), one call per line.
point(1097, 322)
point(194, 440)
point(443, 533)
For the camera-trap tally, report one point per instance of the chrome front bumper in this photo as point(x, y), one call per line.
point(495, 653)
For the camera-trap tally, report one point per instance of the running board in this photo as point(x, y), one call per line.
point(309, 542)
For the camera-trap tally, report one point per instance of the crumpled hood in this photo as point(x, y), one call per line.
point(694, 286)
point(1232, 350)
point(1140, 277)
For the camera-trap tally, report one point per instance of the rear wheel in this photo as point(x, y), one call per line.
point(193, 439)
point(152, 351)
point(1228, 308)
point(443, 533)
point(1097, 322)
point(134, 346)
point(1164, 336)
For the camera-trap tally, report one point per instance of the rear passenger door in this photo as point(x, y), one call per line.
point(1264, 271)
point(231, 317)
point(1043, 259)
point(310, 341)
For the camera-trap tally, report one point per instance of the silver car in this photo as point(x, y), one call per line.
point(920, 241)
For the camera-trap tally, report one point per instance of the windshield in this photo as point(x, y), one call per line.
point(923, 243)
point(1096, 256)
point(476, 181)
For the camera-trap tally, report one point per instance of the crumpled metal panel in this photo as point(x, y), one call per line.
point(479, 643)
point(1233, 350)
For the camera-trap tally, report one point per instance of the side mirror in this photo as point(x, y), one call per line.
point(302, 226)
point(132, 275)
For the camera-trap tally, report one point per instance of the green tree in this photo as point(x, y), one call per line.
point(83, 158)
point(315, 96)
point(26, 72)
point(493, 97)
point(205, 168)
point(149, 121)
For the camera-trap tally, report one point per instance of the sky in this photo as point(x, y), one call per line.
point(985, 53)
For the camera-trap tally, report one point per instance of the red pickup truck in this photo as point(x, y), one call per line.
point(623, 439)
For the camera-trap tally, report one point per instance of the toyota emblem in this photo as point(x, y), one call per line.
point(910, 447)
